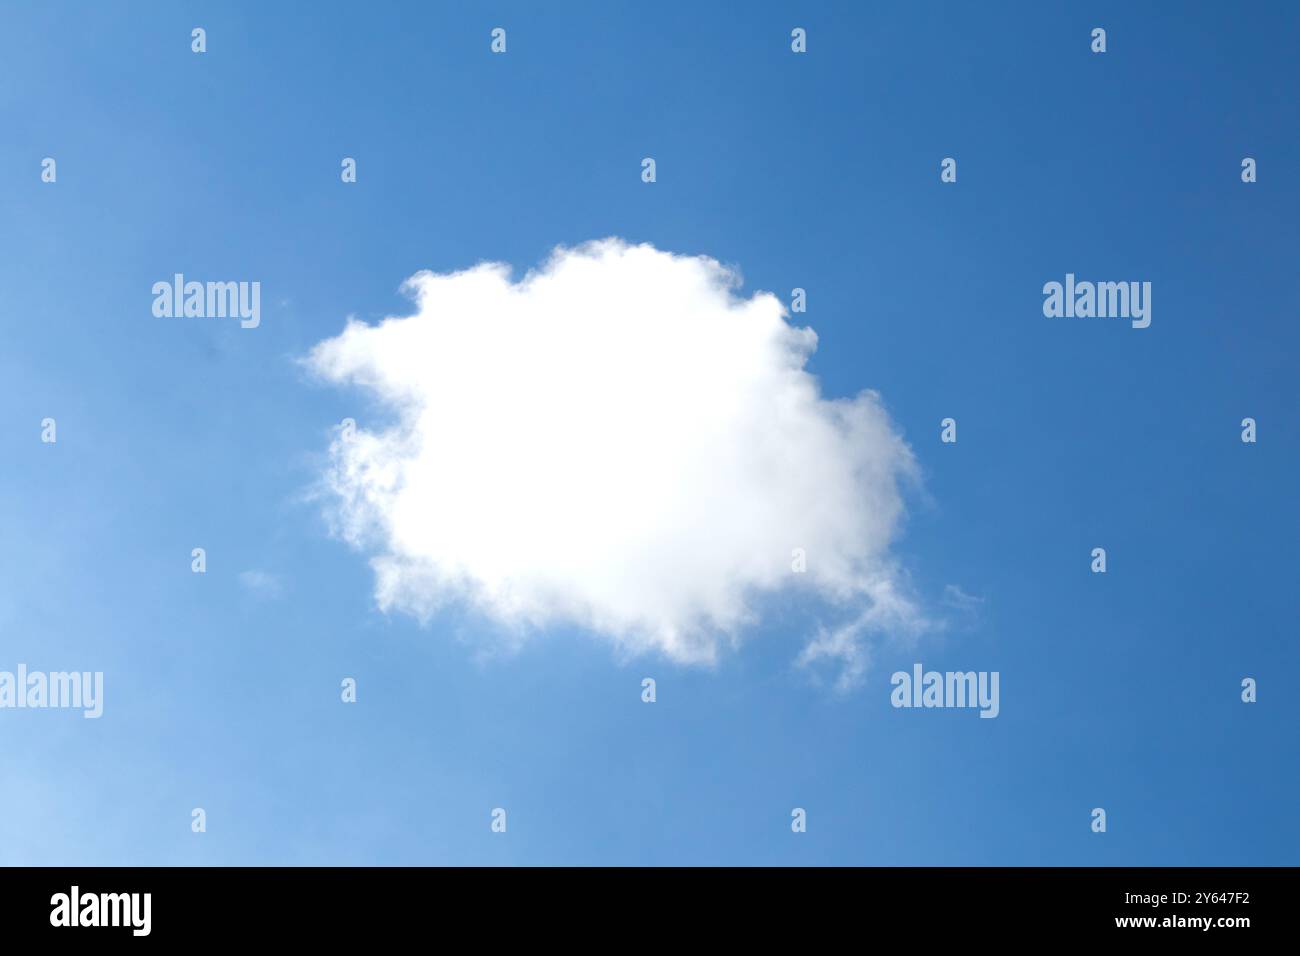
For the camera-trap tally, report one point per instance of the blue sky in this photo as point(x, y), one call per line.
point(819, 171)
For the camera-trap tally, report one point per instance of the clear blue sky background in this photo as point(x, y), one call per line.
point(820, 171)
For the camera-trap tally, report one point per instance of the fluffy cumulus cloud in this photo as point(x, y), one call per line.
point(618, 441)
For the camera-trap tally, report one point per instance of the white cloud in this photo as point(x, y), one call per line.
point(617, 441)
point(261, 583)
point(955, 597)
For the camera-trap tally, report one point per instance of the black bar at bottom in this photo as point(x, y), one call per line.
point(651, 907)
